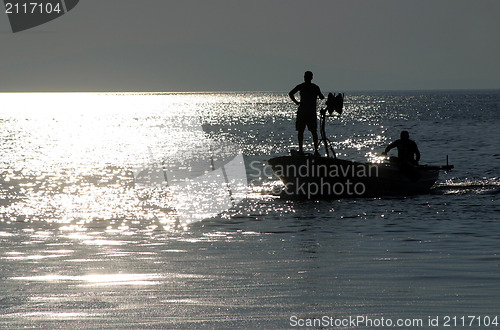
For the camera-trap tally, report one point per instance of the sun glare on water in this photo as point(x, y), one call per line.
point(80, 157)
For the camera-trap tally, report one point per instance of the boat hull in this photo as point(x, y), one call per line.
point(319, 177)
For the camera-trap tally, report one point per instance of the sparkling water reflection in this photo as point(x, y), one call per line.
point(83, 245)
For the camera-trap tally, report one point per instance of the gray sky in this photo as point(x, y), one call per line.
point(258, 45)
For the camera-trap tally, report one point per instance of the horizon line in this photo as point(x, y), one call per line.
point(249, 91)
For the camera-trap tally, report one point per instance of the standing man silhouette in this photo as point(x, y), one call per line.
point(306, 115)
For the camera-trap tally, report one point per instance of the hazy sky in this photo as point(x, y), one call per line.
point(258, 45)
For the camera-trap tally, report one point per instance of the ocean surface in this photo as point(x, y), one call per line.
point(110, 215)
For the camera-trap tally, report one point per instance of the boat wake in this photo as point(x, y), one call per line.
point(461, 186)
point(457, 186)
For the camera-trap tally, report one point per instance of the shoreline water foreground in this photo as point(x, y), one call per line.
point(82, 247)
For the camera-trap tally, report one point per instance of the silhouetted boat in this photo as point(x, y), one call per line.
point(309, 176)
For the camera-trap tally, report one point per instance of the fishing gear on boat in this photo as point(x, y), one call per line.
point(334, 102)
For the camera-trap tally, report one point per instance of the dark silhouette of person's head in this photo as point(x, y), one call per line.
point(308, 76)
point(405, 135)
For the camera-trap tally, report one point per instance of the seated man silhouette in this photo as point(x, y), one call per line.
point(306, 115)
point(407, 149)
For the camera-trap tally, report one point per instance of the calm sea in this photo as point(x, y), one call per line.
point(112, 216)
